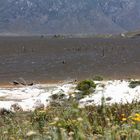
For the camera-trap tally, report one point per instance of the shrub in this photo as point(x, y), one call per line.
point(134, 84)
point(86, 86)
point(98, 78)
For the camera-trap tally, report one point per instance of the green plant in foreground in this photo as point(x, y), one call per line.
point(39, 119)
point(65, 120)
point(102, 122)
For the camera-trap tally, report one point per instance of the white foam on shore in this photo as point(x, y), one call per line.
point(115, 91)
point(31, 97)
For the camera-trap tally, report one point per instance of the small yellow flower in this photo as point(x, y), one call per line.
point(137, 115)
point(124, 119)
point(136, 119)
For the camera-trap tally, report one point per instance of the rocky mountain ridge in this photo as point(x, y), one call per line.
point(69, 16)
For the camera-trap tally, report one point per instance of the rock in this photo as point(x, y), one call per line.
point(108, 98)
point(30, 84)
point(15, 83)
point(16, 107)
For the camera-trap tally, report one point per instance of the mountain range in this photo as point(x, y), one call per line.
point(69, 16)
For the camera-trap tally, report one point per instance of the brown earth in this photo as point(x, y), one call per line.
point(56, 59)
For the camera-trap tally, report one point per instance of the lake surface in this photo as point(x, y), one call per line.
point(54, 59)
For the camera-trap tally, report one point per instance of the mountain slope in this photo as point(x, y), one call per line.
point(69, 16)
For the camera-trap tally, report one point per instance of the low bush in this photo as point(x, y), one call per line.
point(134, 84)
point(98, 78)
point(86, 85)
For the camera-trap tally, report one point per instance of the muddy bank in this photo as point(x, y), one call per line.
point(51, 60)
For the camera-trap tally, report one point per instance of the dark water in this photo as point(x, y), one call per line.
point(50, 60)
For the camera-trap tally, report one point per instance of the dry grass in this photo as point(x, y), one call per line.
point(63, 119)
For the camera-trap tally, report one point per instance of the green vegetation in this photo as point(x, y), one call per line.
point(134, 84)
point(66, 120)
point(98, 78)
point(86, 85)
